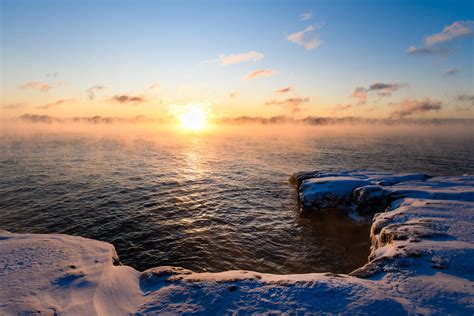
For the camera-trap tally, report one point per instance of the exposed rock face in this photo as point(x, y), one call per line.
point(369, 199)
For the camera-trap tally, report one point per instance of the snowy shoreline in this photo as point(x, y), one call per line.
point(421, 261)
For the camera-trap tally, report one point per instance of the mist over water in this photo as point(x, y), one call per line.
point(211, 201)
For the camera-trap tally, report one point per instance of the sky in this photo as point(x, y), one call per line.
point(371, 59)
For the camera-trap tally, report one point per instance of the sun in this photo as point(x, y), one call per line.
point(193, 118)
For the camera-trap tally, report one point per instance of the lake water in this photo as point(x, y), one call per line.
point(205, 202)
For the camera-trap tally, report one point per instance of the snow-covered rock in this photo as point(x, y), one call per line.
point(421, 262)
point(365, 191)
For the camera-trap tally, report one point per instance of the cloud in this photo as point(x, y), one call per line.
point(13, 106)
point(451, 72)
point(413, 50)
point(54, 104)
point(154, 86)
point(259, 73)
point(309, 120)
point(466, 99)
point(386, 89)
point(456, 30)
point(411, 106)
point(360, 93)
point(380, 88)
point(306, 15)
point(33, 118)
point(232, 59)
point(35, 85)
point(123, 99)
point(92, 91)
point(234, 94)
point(451, 32)
point(342, 107)
point(52, 75)
point(97, 119)
point(300, 38)
point(284, 90)
point(292, 103)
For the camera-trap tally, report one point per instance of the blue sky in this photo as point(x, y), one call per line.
point(126, 46)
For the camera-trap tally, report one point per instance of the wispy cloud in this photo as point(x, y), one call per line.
point(127, 99)
point(92, 91)
point(441, 51)
point(465, 97)
point(233, 94)
point(154, 86)
point(301, 38)
point(292, 103)
point(341, 107)
point(467, 102)
point(54, 104)
point(306, 15)
point(35, 85)
point(240, 58)
point(451, 72)
point(411, 106)
point(456, 30)
point(259, 73)
point(284, 90)
point(450, 32)
point(51, 75)
point(226, 60)
point(13, 106)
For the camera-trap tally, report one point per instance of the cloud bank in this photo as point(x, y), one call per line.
point(309, 120)
point(96, 119)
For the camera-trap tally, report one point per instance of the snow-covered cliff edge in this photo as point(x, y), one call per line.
point(421, 262)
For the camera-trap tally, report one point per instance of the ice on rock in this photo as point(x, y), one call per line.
point(329, 192)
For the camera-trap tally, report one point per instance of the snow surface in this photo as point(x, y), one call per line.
point(421, 262)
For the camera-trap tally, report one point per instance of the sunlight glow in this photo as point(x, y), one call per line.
point(194, 118)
